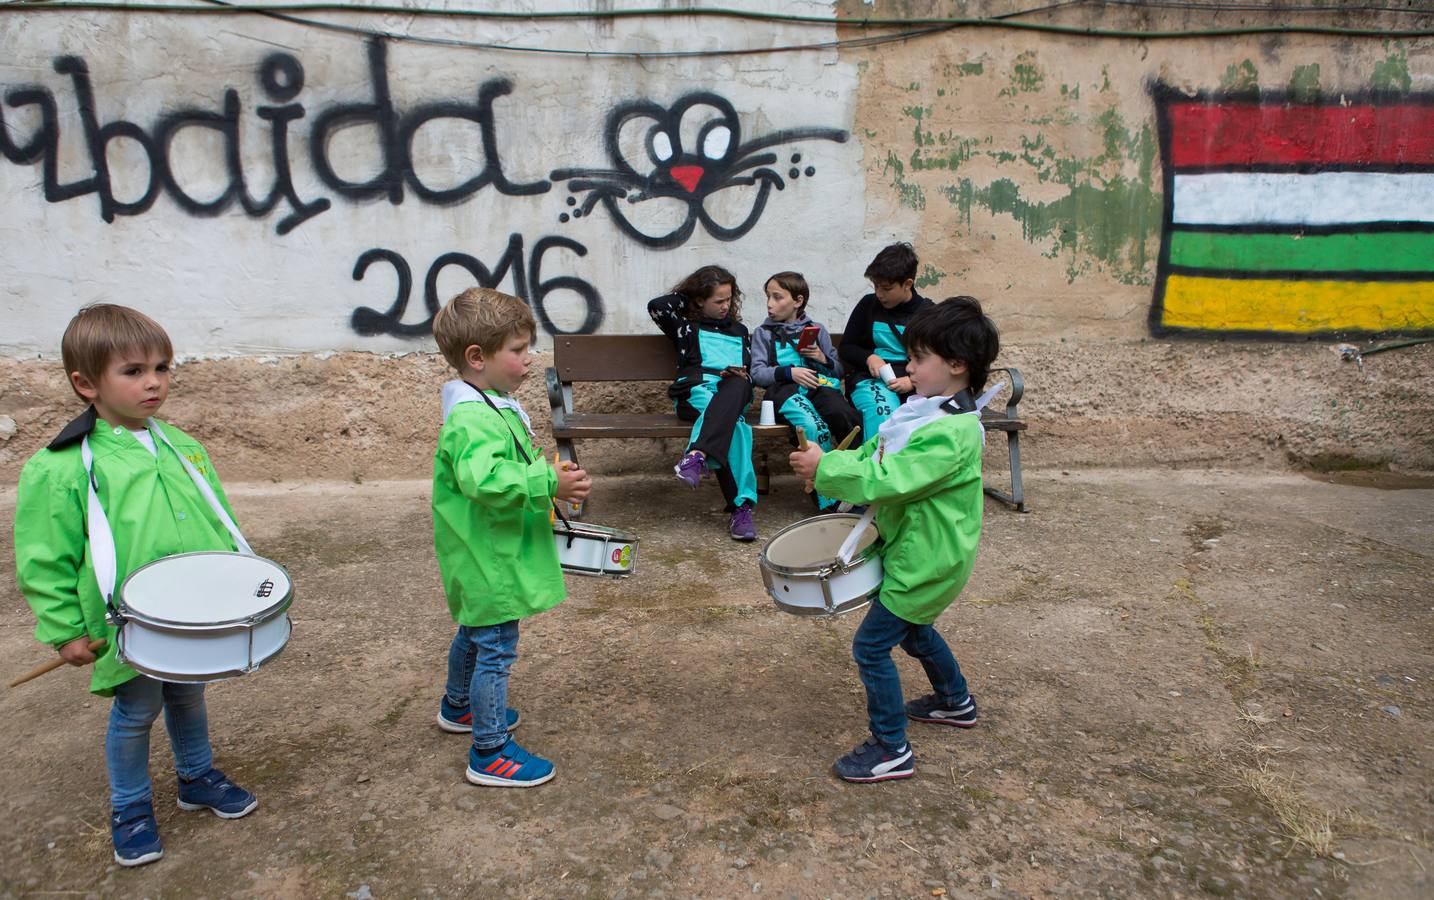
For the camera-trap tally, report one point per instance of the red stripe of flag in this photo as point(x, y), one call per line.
point(1248, 134)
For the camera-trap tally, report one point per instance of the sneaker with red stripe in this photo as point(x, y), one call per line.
point(459, 720)
point(508, 766)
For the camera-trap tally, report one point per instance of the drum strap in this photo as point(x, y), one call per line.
point(102, 540)
point(568, 526)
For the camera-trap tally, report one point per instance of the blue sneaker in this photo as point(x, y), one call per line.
point(690, 469)
point(135, 834)
point(938, 712)
point(460, 721)
point(873, 762)
point(508, 766)
point(216, 793)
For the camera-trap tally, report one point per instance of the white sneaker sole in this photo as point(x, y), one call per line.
point(223, 815)
point(486, 780)
point(453, 727)
point(140, 860)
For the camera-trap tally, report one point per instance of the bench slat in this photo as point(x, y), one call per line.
point(614, 357)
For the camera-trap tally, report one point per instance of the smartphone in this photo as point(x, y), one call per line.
point(809, 337)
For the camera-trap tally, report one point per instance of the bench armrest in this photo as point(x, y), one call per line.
point(1018, 388)
point(560, 397)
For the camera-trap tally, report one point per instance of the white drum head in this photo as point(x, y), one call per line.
point(205, 588)
point(814, 543)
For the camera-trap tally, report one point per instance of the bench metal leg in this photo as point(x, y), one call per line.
point(1017, 497)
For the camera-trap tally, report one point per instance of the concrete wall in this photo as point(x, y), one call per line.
point(268, 189)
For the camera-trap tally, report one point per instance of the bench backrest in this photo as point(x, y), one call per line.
point(617, 357)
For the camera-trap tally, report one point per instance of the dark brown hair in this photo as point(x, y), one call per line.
point(700, 286)
point(794, 284)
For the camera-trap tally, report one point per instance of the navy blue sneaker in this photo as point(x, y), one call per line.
point(460, 721)
point(938, 712)
point(135, 834)
point(216, 793)
point(873, 762)
point(508, 766)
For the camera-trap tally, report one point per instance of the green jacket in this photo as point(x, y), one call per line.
point(929, 516)
point(154, 510)
point(491, 530)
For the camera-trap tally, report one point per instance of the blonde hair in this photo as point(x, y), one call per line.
point(100, 332)
point(480, 316)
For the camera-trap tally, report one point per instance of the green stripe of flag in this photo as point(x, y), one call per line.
point(1368, 251)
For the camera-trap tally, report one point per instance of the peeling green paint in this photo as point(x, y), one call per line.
point(1070, 93)
point(914, 86)
point(909, 194)
point(1304, 83)
point(1241, 79)
point(1392, 75)
point(966, 68)
point(1104, 79)
point(1025, 77)
point(929, 275)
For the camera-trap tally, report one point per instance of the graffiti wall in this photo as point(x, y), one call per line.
point(269, 188)
point(266, 186)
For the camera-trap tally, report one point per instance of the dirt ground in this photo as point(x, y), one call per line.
point(1191, 682)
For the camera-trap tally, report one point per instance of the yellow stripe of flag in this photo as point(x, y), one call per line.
point(1228, 304)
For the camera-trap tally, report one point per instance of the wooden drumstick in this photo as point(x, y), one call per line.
point(801, 439)
point(53, 664)
point(846, 441)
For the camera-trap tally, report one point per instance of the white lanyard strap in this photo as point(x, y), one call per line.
point(102, 540)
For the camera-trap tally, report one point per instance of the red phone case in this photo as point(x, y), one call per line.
point(809, 337)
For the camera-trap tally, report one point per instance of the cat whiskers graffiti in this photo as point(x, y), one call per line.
point(690, 153)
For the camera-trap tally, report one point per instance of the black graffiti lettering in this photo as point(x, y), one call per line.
point(97, 140)
point(370, 322)
point(380, 115)
point(480, 114)
point(226, 123)
point(44, 146)
point(592, 301)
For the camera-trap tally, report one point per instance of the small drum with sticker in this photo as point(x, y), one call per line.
point(585, 549)
point(203, 616)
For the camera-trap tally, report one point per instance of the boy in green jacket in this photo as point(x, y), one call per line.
point(922, 473)
point(493, 494)
point(118, 360)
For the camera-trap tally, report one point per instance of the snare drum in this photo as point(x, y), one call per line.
point(585, 549)
point(203, 616)
point(800, 568)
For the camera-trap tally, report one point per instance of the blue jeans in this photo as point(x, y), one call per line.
point(137, 704)
point(478, 664)
point(878, 633)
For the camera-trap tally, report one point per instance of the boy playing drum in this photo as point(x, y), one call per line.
point(923, 472)
point(492, 495)
point(118, 360)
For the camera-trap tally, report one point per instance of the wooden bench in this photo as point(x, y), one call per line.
point(644, 357)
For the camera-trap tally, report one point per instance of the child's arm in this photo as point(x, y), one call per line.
point(763, 374)
point(925, 465)
point(856, 342)
point(833, 364)
point(485, 475)
point(667, 312)
point(49, 553)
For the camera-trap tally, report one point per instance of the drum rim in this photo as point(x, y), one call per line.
point(815, 571)
point(591, 530)
point(129, 612)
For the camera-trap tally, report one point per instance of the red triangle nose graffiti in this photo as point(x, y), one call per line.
point(687, 176)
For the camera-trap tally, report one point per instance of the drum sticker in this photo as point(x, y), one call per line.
point(622, 556)
point(266, 587)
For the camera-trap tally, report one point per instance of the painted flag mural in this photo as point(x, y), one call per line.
point(1287, 219)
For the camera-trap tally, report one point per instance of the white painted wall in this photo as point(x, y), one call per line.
point(230, 284)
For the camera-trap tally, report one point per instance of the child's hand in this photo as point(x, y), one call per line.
point(815, 354)
point(873, 366)
point(804, 462)
point(902, 385)
point(735, 372)
point(805, 377)
point(574, 485)
point(77, 652)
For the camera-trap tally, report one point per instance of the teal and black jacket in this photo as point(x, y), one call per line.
point(874, 329)
point(704, 346)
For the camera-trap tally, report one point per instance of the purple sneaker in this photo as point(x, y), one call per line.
point(691, 468)
point(742, 528)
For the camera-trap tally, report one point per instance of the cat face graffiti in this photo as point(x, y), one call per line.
point(676, 166)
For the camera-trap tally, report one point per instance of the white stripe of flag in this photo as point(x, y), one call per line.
point(1321, 198)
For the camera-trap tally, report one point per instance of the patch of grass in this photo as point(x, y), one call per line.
point(1303, 825)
